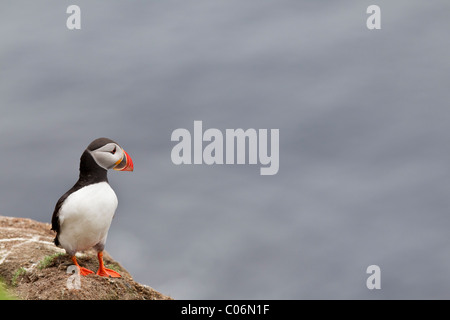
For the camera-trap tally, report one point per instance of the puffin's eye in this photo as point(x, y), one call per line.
point(114, 151)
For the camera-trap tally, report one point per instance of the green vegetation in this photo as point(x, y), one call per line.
point(4, 294)
point(17, 274)
point(114, 267)
point(48, 260)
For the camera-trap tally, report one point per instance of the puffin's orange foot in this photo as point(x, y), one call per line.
point(104, 272)
point(85, 271)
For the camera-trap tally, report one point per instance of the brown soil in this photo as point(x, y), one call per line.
point(33, 268)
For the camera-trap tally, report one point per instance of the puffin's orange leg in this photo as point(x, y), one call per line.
point(83, 271)
point(104, 272)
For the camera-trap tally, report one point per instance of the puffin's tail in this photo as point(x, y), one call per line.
point(56, 241)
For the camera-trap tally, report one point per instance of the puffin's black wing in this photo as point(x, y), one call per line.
point(55, 218)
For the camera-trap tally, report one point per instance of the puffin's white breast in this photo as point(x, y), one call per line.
point(85, 216)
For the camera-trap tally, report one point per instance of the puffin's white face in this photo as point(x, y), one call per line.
point(112, 156)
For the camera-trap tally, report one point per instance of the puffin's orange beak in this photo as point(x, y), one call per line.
point(126, 164)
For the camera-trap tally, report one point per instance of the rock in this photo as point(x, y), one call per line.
point(33, 268)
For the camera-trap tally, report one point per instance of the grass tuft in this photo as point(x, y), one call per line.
point(48, 260)
point(19, 272)
point(113, 266)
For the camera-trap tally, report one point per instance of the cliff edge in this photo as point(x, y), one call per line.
point(33, 268)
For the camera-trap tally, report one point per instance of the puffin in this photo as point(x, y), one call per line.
point(83, 215)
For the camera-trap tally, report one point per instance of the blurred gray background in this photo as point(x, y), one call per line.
point(364, 145)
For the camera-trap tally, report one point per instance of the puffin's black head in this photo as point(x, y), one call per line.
point(107, 154)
